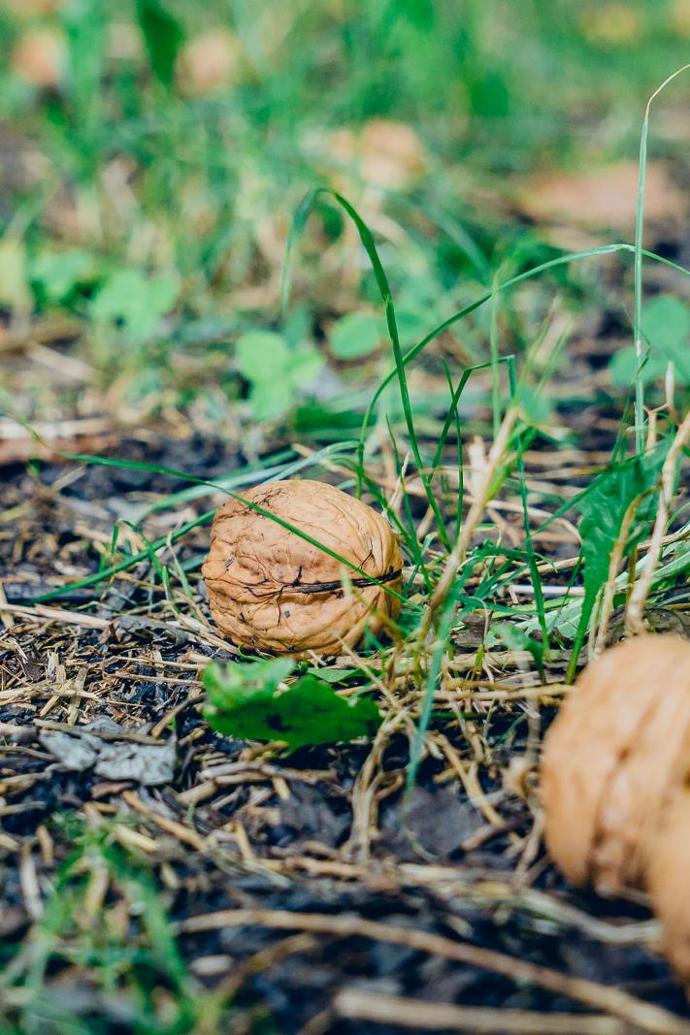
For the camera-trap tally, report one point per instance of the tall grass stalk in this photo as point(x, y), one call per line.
point(639, 254)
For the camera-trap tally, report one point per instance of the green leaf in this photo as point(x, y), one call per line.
point(335, 675)
point(262, 356)
point(86, 27)
point(163, 35)
point(666, 323)
point(666, 329)
point(271, 400)
point(355, 335)
point(305, 364)
point(535, 408)
point(602, 512)
point(247, 700)
point(57, 274)
point(274, 371)
point(623, 367)
point(603, 509)
point(14, 290)
point(516, 639)
point(135, 300)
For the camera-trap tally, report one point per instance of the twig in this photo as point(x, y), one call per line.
point(56, 614)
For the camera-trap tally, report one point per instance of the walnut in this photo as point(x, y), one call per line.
point(39, 58)
point(271, 590)
point(668, 881)
point(209, 62)
point(613, 758)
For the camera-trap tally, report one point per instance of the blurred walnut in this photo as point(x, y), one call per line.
point(614, 757)
point(39, 58)
point(271, 590)
point(668, 881)
point(31, 8)
point(209, 62)
point(383, 153)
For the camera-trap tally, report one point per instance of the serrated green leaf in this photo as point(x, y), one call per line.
point(246, 700)
point(335, 675)
point(603, 510)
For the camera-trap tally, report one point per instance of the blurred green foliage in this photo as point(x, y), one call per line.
point(152, 153)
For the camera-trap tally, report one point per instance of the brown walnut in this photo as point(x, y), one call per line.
point(613, 759)
point(668, 881)
point(271, 590)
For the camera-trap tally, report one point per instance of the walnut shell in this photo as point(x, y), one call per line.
point(668, 882)
point(612, 759)
point(270, 590)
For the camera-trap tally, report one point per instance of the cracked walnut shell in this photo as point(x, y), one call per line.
point(271, 590)
point(616, 754)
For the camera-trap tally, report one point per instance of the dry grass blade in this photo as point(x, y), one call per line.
point(359, 1005)
point(474, 515)
point(634, 617)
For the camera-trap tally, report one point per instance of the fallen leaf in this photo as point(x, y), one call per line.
point(147, 764)
point(602, 198)
point(77, 753)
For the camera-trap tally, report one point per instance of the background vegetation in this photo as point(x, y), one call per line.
point(480, 160)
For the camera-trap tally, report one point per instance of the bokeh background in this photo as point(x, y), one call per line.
point(153, 153)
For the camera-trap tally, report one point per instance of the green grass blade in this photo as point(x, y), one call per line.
point(639, 254)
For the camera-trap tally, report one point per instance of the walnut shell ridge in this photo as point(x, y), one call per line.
point(613, 758)
point(271, 590)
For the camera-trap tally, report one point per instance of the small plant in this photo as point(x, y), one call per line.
point(275, 370)
point(251, 700)
point(666, 330)
point(134, 303)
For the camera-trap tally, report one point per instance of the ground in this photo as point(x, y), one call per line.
point(447, 329)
